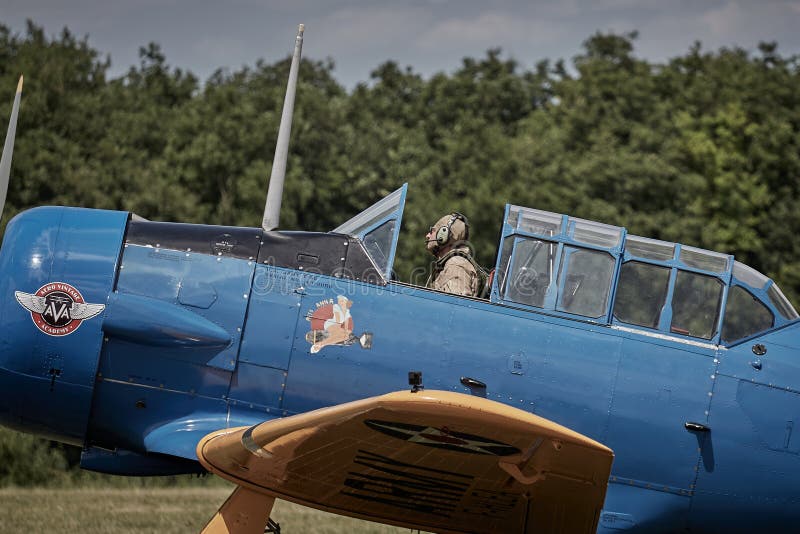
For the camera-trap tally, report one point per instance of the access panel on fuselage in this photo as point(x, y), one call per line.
point(268, 337)
point(751, 456)
point(355, 340)
point(559, 369)
point(148, 385)
point(661, 385)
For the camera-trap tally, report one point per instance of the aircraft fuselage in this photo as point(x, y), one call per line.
point(213, 327)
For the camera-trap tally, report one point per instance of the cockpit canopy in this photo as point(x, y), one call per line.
point(599, 273)
point(596, 272)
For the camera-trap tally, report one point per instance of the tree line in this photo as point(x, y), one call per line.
point(702, 149)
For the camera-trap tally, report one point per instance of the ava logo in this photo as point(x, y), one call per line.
point(57, 309)
point(332, 324)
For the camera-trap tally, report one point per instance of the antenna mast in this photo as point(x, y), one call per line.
point(272, 209)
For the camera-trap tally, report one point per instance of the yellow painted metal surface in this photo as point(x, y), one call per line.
point(433, 460)
point(245, 512)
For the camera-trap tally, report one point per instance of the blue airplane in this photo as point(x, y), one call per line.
point(607, 382)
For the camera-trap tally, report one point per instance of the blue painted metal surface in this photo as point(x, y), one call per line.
point(122, 462)
point(148, 321)
point(172, 395)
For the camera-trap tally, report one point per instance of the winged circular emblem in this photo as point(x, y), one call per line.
point(57, 308)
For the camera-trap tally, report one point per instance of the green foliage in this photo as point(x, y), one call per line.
point(26, 460)
point(703, 149)
point(30, 461)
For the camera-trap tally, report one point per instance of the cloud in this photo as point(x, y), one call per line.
point(725, 20)
point(367, 26)
point(429, 35)
point(486, 30)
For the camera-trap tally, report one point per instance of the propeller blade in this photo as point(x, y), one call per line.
point(272, 208)
point(8, 148)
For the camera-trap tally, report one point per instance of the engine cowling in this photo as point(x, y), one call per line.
point(58, 266)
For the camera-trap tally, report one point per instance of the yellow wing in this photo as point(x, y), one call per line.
point(431, 460)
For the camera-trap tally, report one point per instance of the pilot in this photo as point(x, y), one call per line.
point(454, 270)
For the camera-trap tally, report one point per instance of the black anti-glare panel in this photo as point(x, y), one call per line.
point(329, 254)
point(228, 241)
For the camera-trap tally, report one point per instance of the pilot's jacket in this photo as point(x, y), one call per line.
point(454, 273)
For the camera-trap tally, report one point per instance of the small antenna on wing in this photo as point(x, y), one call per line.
point(272, 209)
point(8, 148)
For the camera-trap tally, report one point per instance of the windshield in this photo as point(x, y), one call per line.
point(378, 228)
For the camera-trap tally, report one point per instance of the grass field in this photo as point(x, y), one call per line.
point(140, 510)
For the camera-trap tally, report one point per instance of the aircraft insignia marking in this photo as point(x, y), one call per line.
point(332, 324)
point(442, 438)
point(57, 308)
point(387, 481)
point(406, 486)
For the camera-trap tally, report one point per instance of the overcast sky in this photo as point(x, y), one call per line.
point(429, 35)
